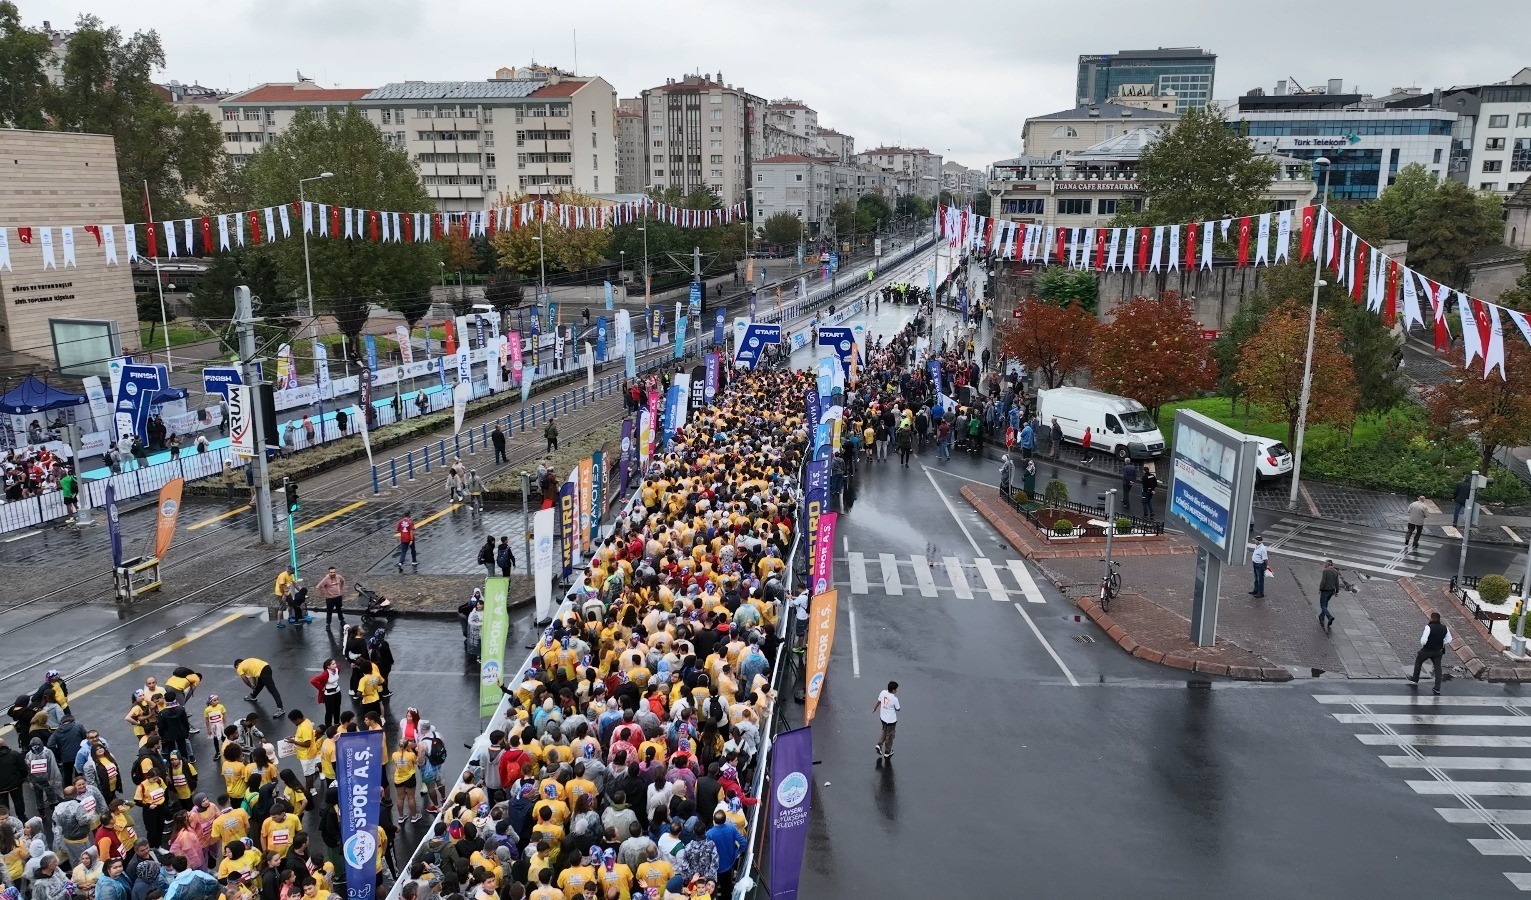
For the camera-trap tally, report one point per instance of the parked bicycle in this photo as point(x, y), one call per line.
point(1110, 585)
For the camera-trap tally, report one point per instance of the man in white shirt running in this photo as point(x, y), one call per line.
point(887, 708)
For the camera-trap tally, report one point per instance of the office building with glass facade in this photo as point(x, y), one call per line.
point(1187, 71)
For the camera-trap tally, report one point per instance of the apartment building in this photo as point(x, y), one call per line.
point(631, 159)
point(840, 146)
point(702, 133)
point(529, 130)
point(808, 187)
point(1491, 139)
point(917, 170)
point(1068, 131)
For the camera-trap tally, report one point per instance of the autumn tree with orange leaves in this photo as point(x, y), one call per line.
point(1271, 365)
point(1492, 411)
point(1152, 351)
point(1052, 341)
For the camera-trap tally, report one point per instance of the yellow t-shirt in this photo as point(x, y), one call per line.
point(250, 668)
point(283, 583)
point(151, 793)
point(233, 825)
point(246, 863)
point(371, 687)
point(404, 764)
point(180, 779)
point(214, 714)
point(277, 833)
point(574, 879)
point(560, 810)
point(303, 740)
point(618, 876)
point(655, 873)
point(327, 758)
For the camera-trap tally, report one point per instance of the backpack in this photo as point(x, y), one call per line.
point(437, 754)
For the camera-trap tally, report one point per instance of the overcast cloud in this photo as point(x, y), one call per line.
point(956, 77)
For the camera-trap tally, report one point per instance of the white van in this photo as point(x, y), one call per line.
point(1116, 424)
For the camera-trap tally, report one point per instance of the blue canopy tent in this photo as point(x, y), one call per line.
point(34, 396)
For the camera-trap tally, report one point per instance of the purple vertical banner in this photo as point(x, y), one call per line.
point(113, 527)
point(626, 460)
point(791, 780)
point(824, 553)
point(816, 498)
point(566, 534)
point(714, 364)
point(359, 779)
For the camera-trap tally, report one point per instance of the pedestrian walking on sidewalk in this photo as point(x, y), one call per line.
point(887, 708)
point(1432, 647)
point(1459, 498)
point(1057, 434)
point(486, 556)
point(406, 532)
point(1328, 586)
point(1257, 558)
point(1129, 478)
point(1150, 488)
point(551, 433)
point(504, 557)
point(1417, 512)
point(497, 438)
point(332, 588)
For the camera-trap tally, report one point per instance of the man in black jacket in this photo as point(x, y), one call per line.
point(13, 779)
point(497, 438)
point(175, 727)
point(65, 742)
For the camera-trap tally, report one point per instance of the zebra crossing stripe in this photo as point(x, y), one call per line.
point(991, 579)
point(890, 583)
point(923, 576)
point(1427, 719)
point(858, 567)
point(1485, 816)
point(1502, 763)
point(1472, 788)
point(1024, 579)
point(1445, 740)
point(958, 578)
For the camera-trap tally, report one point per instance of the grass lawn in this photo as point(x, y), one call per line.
point(1253, 420)
point(179, 334)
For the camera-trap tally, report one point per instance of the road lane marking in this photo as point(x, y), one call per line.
point(140, 663)
point(923, 576)
point(1045, 645)
point(1409, 700)
point(1024, 579)
point(991, 579)
point(958, 578)
point(1500, 763)
point(858, 566)
point(977, 550)
point(1473, 789)
point(334, 515)
point(436, 515)
point(1430, 719)
point(218, 518)
point(890, 582)
point(1445, 740)
point(1457, 816)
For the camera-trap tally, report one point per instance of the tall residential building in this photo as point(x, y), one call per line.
point(631, 159)
point(1070, 130)
point(1491, 141)
point(556, 131)
point(1365, 141)
point(958, 179)
point(702, 133)
point(841, 146)
point(916, 170)
point(808, 188)
point(1187, 71)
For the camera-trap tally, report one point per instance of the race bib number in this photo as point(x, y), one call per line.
point(156, 796)
point(178, 780)
point(38, 766)
point(216, 722)
point(129, 835)
point(279, 837)
point(111, 771)
point(89, 805)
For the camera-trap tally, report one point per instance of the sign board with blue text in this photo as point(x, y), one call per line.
point(1212, 487)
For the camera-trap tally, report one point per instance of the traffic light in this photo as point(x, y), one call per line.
point(290, 488)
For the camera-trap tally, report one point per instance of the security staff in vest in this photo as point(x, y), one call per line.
point(1432, 646)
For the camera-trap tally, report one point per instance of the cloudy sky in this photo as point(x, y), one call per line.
point(957, 77)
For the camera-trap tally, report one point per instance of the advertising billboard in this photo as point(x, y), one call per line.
point(1212, 485)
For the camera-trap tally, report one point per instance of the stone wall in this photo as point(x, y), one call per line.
point(1216, 291)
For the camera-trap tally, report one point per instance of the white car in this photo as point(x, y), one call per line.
point(1273, 460)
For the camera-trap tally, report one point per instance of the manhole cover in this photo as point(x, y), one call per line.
point(1084, 639)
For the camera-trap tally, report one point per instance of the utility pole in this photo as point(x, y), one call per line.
point(1471, 509)
point(701, 287)
point(244, 319)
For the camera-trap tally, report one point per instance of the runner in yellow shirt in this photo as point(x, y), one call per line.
point(305, 741)
point(406, 782)
point(575, 877)
point(656, 871)
point(232, 824)
point(279, 829)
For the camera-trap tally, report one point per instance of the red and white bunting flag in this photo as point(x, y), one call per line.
point(5, 249)
point(45, 237)
point(1390, 302)
point(1244, 226)
point(1144, 234)
point(1493, 351)
point(171, 249)
point(207, 235)
point(1263, 237)
point(1309, 231)
point(1521, 322)
point(108, 242)
point(1360, 249)
point(1174, 247)
point(285, 216)
point(1190, 247)
point(270, 232)
point(387, 225)
point(1283, 235)
point(1100, 249)
point(95, 232)
point(191, 244)
point(1374, 281)
point(1472, 329)
point(1336, 246)
point(1411, 311)
point(67, 235)
point(1158, 258)
point(129, 240)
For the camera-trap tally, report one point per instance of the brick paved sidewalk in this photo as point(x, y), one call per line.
point(1375, 634)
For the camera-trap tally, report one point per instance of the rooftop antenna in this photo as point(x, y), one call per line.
point(576, 50)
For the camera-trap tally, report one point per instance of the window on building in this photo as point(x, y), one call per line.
point(1106, 206)
point(1520, 157)
point(492, 183)
point(1065, 131)
point(232, 137)
point(596, 182)
point(592, 120)
point(1494, 144)
point(717, 159)
point(1025, 206)
point(1499, 121)
point(717, 173)
point(659, 173)
point(658, 129)
point(799, 177)
point(714, 97)
point(715, 145)
point(1437, 157)
point(387, 117)
point(595, 162)
point(715, 129)
point(1488, 186)
point(252, 115)
point(1074, 206)
point(488, 160)
point(659, 143)
point(760, 179)
point(231, 115)
point(488, 114)
point(717, 115)
point(1493, 165)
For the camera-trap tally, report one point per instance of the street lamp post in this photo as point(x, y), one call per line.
point(1307, 366)
point(308, 277)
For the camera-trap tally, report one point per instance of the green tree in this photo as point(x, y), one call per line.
point(107, 88)
point(1451, 226)
point(1403, 202)
point(504, 290)
point(348, 275)
point(1493, 411)
point(843, 217)
point(1200, 170)
point(981, 203)
point(913, 206)
point(783, 228)
point(212, 298)
point(1061, 287)
point(24, 53)
point(1152, 351)
point(872, 212)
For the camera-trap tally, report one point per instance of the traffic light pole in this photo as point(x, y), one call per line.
point(290, 500)
point(244, 319)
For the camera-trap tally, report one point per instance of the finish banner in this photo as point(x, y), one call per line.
point(359, 776)
point(791, 780)
point(542, 561)
point(824, 552)
point(491, 654)
point(169, 509)
point(821, 640)
point(566, 528)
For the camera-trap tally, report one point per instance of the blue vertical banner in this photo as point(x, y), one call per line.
point(815, 497)
point(791, 780)
point(371, 341)
point(536, 315)
point(429, 347)
point(600, 339)
point(113, 526)
point(826, 377)
point(610, 300)
point(935, 375)
point(932, 273)
point(625, 460)
point(694, 300)
point(671, 415)
point(552, 313)
point(815, 409)
point(752, 303)
point(441, 370)
point(714, 369)
point(717, 327)
point(359, 763)
point(680, 336)
point(597, 490)
point(632, 358)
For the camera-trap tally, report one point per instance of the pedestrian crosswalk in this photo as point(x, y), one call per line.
point(893, 575)
point(1438, 745)
point(1350, 546)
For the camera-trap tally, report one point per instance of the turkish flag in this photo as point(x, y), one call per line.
point(24, 233)
point(153, 238)
point(941, 220)
point(1438, 316)
point(1020, 239)
point(1390, 305)
point(988, 237)
point(409, 227)
point(95, 232)
point(1336, 228)
point(489, 223)
point(451, 337)
point(1244, 242)
point(1143, 249)
point(1357, 284)
point(1309, 221)
point(334, 221)
point(1062, 243)
point(254, 227)
point(1484, 324)
point(436, 225)
point(1190, 246)
point(1100, 249)
point(207, 234)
